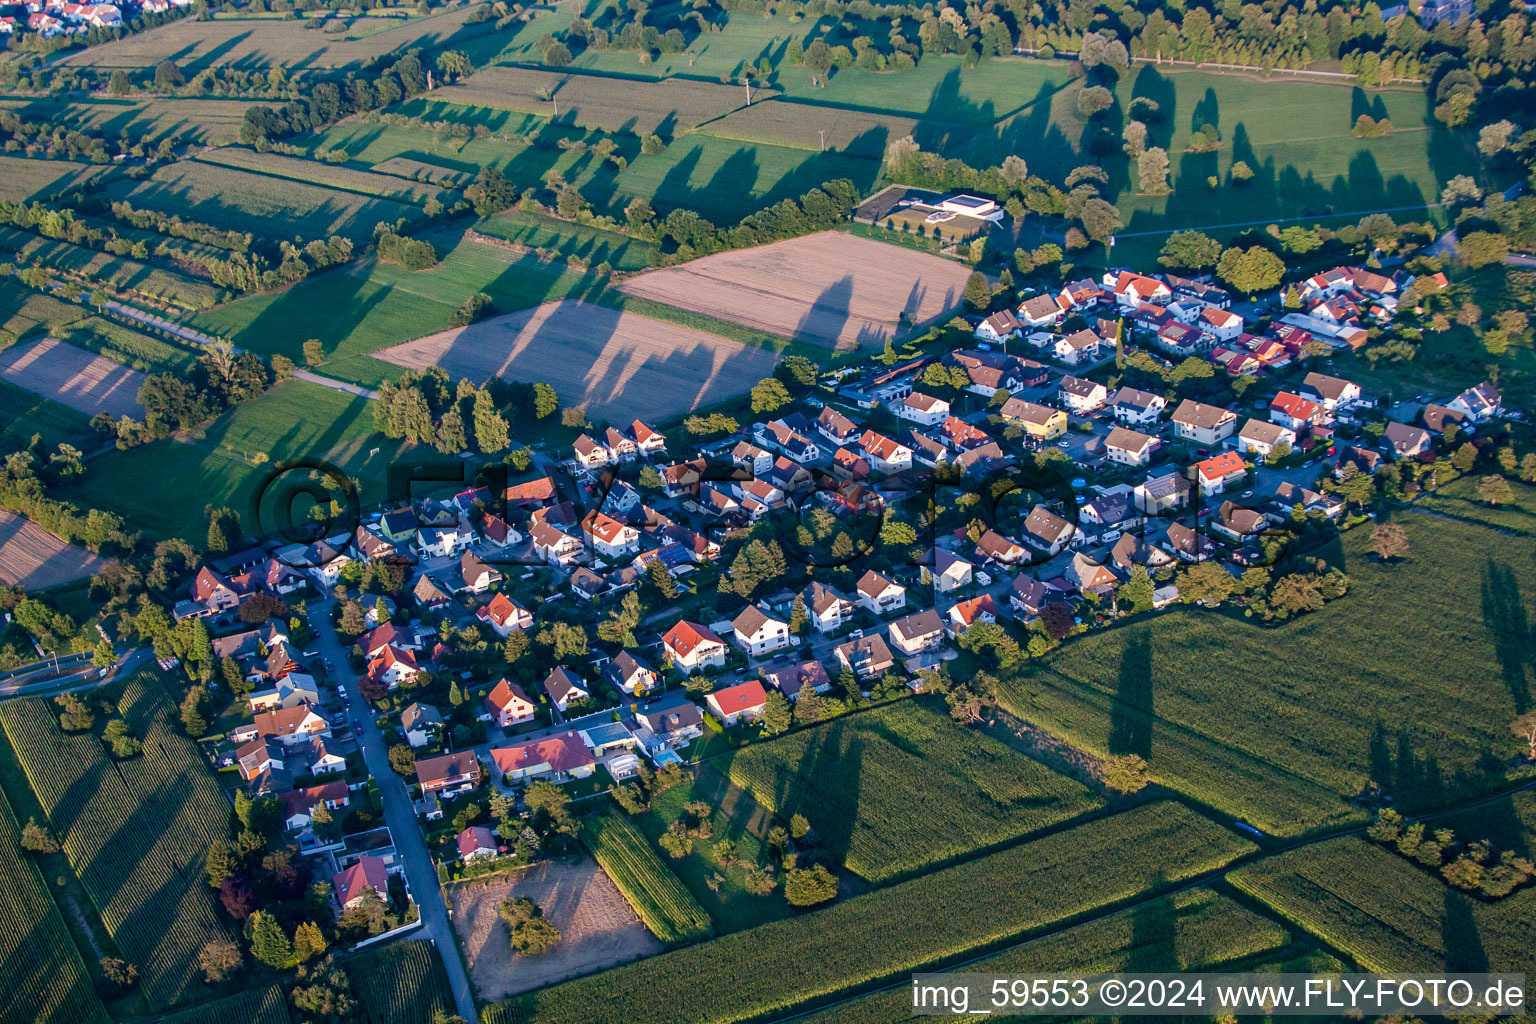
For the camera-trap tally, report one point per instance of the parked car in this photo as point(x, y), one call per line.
point(984, 578)
point(358, 727)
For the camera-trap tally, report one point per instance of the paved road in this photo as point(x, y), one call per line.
point(199, 338)
point(80, 678)
point(420, 872)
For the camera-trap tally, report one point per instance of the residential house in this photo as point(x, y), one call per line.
point(1481, 402)
point(291, 690)
point(1002, 325)
point(924, 410)
point(372, 545)
point(960, 435)
point(1332, 393)
point(948, 570)
point(553, 544)
point(835, 427)
point(867, 657)
point(1082, 396)
point(1164, 493)
point(504, 615)
point(475, 576)
point(1077, 348)
point(650, 443)
point(1293, 411)
point(531, 494)
point(1045, 531)
point(1237, 362)
point(1439, 417)
point(1079, 294)
point(682, 478)
point(441, 541)
point(367, 876)
point(387, 634)
point(629, 675)
point(1237, 522)
point(556, 758)
point(476, 843)
point(448, 774)
point(994, 547)
point(429, 593)
point(1259, 438)
point(610, 538)
point(792, 678)
point(1130, 551)
point(319, 758)
point(826, 608)
point(671, 720)
point(755, 460)
point(1364, 460)
point(590, 454)
point(886, 455)
point(509, 704)
point(1131, 290)
point(288, 726)
point(420, 723)
point(1222, 324)
point(1288, 496)
point(1028, 595)
point(299, 804)
point(1135, 407)
point(564, 687)
point(1404, 441)
point(1089, 575)
point(918, 632)
point(1036, 312)
point(742, 702)
point(790, 440)
point(1039, 421)
point(879, 594)
point(1207, 425)
point(965, 614)
point(1189, 544)
point(260, 754)
point(692, 647)
point(394, 666)
point(399, 526)
point(1217, 472)
point(215, 593)
point(621, 447)
point(1130, 447)
point(757, 632)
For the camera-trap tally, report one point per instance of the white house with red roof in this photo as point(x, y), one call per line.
point(1296, 413)
point(886, 455)
point(733, 704)
point(286, 725)
point(509, 704)
point(394, 665)
point(504, 615)
point(610, 538)
point(556, 758)
point(922, 409)
point(1224, 324)
point(1131, 290)
point(692, 647)
point(1219, 471)
point(476, 843)
point(965, 614)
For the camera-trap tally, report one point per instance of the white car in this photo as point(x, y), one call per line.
point(1109, 536)
point(1063, 444)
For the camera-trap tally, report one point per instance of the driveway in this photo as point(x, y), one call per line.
point(420, 872)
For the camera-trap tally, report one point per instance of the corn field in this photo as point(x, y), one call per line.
point(136, 831)
point(658, 896)
point(41, 973)
point(256, 1006)
point(402, 983)
point(890, 932)
point(903, 787)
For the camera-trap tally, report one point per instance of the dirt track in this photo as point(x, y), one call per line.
point(831, 288)
point(618, 365)
point(74, 377)
point(597, 927)
point(32, 558)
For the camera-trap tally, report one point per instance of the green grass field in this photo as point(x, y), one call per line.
point(367, 306)
point(23, 310)
point(266, 207)
point(1459, 498)
point(345, 179)
point(1192, 930)
point(206, 122)
point(23, 414)
point(890, 932)
point(44, 978)
point(631, 860)
point(540, 231)
point(23, 179)
point(296, 419)
point(402, 983)
point(1299, 703)
point(735, 816)
point(256, 1006)
point(898, 789)
point(1389, 914)
point(146, 881)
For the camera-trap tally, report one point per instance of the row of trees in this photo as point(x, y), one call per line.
point(422, 406)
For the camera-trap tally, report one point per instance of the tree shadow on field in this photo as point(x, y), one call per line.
point(1459, 934)
point(1505, 618)
point(1131, 716)
point(823, 323)
point(1151, 85)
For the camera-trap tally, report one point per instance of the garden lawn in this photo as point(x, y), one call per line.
point(888, 933)
point(1276, 725)
point(901, 788)
point(1460, 498)
point(1195, 929)
point(163, 486)
point(1391, 915)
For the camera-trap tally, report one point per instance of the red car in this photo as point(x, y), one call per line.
point(359, 727)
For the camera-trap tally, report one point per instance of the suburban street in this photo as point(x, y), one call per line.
point(404, 828)
point(80, 676)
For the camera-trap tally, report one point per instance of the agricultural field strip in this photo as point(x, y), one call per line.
point(41, 973)
point(254, 1006)
point(1187, 930)
point(658, 896)
point(318, 172)
point(923, 922)
point(146, 883)
point(401, 983)
point(80, 379)
point(918, 789)
point(1388, 913)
